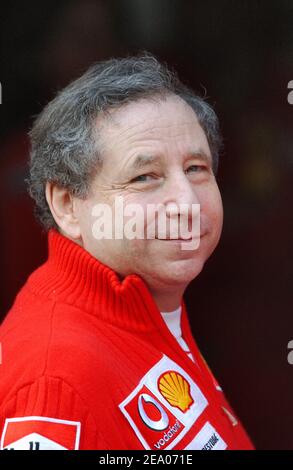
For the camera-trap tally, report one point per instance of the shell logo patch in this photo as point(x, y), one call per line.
point(164, 406)
point(176, 390)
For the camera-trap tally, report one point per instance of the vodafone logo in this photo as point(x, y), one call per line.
point(164, 405)
point(159, 425)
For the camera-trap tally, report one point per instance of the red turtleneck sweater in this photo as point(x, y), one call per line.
point(89, 363)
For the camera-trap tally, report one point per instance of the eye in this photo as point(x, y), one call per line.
point(195, 168)
point(142, 178)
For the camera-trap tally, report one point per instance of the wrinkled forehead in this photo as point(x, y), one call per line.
point(150, 118)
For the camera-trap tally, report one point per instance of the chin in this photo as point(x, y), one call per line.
point(183, 271)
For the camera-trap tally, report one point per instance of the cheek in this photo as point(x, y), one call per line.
point(83, 210)
point(216, 208)
point(142, 212)
point(212, 209)
point(87, 221)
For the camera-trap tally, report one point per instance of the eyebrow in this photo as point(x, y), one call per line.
point(143, 160)
point(201, 155)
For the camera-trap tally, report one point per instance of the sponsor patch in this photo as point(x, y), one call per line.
point(40, 433)
point(207, 439)
point(164, 405)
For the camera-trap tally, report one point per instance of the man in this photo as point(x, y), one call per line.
point(97, 348)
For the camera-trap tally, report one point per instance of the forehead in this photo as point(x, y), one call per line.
point(157, 122)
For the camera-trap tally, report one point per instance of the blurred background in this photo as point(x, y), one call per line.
point(241, 55)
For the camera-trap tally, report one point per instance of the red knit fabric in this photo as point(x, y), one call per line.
point(81, 346)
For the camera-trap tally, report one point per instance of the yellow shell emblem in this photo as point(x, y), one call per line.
point(176, 390)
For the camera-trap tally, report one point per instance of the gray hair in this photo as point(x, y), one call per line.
point(64, 146)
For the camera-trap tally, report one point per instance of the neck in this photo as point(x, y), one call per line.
point(167, 301)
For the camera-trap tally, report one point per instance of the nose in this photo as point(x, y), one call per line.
point(182, 207)
point(180, 196)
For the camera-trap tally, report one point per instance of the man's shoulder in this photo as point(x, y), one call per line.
point(41, 325)
point(52, 337)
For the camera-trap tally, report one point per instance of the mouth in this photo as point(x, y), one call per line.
point(168, 239)
point(175, 239)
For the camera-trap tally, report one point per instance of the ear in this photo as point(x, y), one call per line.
point(63, 208)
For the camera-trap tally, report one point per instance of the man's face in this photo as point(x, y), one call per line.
point(154, 152)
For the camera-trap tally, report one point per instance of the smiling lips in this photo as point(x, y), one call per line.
point(174, 239)
point(178, 239)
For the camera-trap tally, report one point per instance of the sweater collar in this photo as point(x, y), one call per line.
point(73, 276)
